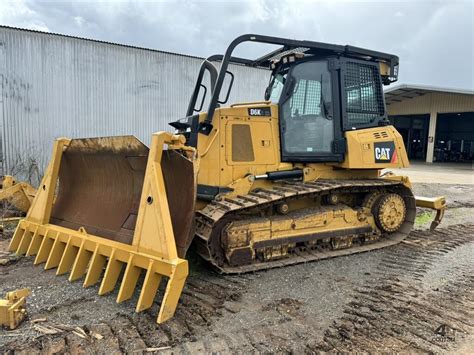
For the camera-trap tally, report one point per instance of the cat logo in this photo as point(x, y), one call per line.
point(385, 152)
point(382, 153)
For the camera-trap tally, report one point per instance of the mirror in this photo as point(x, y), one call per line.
point(267, 93)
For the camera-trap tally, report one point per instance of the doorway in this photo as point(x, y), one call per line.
point(414, 130)
point(454, 137)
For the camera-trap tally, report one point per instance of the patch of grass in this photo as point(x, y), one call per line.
point(424, 217)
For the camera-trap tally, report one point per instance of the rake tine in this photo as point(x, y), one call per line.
point(55, 255)
point(24, 243)
point(112, 272)
point(129, 281)
point(17, 237)
point(150, 286)
point(80, 264)
point(95, 268)
point(173, 291)
point(68, 258)
point(44, 250)
point(35, 244)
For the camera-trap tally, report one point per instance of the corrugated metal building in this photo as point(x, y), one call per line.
point(54, 85)
point(437, 124)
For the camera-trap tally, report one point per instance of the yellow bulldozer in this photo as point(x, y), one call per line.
point(291, 179)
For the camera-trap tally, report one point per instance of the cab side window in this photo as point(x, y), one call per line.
point(364, 95)
point(307, 125)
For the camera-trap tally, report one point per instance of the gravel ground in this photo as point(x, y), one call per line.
point(392, 299)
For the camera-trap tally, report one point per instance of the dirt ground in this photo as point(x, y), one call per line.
point(417, 296)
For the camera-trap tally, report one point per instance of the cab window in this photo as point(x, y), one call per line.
point(364, 95)
point(307, 122)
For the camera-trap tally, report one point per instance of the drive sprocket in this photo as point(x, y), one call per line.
point(390, 211)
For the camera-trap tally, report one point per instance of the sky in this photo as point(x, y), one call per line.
point(434, 39)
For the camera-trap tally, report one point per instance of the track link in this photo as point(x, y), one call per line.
point(215, 215)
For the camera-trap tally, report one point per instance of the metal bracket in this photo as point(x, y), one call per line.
point(12, 308)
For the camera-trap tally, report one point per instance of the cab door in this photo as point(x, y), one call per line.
point(309, 119)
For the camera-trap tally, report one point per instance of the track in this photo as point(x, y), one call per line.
point(392, 311)
point(212, 219)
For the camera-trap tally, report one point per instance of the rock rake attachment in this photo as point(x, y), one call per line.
point(18, 194)
point(121, 209)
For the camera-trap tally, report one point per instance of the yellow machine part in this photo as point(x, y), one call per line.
point(273, 236)
point(435, 203)
point(241, 145)
point(12, 308)
point(19, 194)
point(119, 205)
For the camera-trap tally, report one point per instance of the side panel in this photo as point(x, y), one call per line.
point(251, 143)
point(240, 144)
point(375, 148)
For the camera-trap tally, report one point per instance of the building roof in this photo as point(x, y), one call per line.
point(403, 92)
point(96, 41)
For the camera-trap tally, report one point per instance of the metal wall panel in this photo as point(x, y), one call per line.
point(54, 86)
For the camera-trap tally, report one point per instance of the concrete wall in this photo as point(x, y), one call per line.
point(53, 86)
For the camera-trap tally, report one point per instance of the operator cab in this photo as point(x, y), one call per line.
point(321, 90)
point(302, 89)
